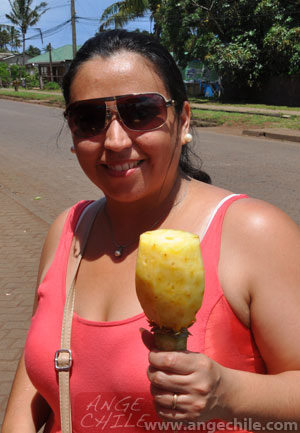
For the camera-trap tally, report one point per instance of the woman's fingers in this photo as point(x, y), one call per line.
point(167, 381)
point(184, 390)
point(177, 362)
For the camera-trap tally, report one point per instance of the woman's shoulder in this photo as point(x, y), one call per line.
point(258, 217)
point(263, 240)
point(51, 243)
point(246, 213)
point(54, 235)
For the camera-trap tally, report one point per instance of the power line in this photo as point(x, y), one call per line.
point(50, 32)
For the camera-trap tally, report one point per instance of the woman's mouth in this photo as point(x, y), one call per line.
point(122, 169)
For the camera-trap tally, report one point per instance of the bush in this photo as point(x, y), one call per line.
point(17, 72)
point(52, 85)
point(4, 74)
point(32, 80)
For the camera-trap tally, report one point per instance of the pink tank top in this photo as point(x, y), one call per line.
point(109, 386)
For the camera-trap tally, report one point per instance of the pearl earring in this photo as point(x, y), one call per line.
point(188, 138)
point(72, 149)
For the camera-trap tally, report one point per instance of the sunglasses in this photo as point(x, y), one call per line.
point(137, 111)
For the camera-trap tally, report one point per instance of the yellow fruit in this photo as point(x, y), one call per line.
point(170, 280)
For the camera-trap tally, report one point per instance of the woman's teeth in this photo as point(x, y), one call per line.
point(124, 167)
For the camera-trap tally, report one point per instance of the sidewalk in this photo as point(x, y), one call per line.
point(18, 269)
point(275, 134)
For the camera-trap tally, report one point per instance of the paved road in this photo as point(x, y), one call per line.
point(39, 177)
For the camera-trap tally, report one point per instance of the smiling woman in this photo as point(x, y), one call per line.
point(129, 118)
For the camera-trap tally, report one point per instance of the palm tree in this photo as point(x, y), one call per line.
point(14, 36)
point(23, 16)
point(120, 13)
point(4, 37)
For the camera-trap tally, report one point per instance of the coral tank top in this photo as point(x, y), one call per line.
point(108, 383)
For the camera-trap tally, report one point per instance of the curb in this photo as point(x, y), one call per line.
point(272, 135)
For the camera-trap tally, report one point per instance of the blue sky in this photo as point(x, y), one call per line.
point(59, 12)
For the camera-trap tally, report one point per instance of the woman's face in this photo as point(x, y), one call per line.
point(127, 165)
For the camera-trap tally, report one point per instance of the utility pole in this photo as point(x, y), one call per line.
point(73, 13)
point(50, 60)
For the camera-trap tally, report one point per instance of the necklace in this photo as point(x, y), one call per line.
point(119, 249)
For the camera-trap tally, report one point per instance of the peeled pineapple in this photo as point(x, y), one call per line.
point(170, 284)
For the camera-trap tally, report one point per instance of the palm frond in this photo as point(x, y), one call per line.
point(120, 13)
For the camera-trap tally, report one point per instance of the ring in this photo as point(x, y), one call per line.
point(174, 401)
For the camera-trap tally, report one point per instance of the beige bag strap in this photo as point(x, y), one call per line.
point(63, 356)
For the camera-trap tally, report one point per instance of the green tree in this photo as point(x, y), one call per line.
point(120, 13)
point(14, 36)
point(23, 16)
point(4, 38)
point(4, 75)
point(243, 40)
point(33, 51)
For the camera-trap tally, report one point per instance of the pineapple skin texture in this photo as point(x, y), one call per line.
point(170, 277)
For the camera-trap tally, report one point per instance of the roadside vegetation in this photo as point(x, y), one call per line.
point(243, 120)
point(48, 97)
point(202, 117)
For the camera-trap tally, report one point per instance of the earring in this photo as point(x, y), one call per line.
point(188, 138)
point(72, 149)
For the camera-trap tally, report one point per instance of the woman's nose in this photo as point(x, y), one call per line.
point(116, 138)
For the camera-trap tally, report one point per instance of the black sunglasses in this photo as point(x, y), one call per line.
point(137, 111)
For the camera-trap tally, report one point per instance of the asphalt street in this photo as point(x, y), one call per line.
point(39, 177)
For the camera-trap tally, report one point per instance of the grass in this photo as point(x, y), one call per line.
point(203, 117)
point(246, 105)
point(31, 95)
point(245, 120)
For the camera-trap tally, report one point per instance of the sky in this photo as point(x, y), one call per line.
point(59, 12)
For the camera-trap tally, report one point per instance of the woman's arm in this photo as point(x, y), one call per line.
point(26, 410)
point(261, 249)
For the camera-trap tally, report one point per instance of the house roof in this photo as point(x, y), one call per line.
point(4, 56)
point(58, 55)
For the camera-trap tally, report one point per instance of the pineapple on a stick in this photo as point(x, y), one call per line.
point(170, 284)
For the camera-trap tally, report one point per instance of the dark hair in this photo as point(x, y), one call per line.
point(105, 44)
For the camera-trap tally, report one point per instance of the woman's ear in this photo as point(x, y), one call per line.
point(185, 118)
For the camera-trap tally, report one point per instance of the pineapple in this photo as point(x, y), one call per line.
point(170, 284)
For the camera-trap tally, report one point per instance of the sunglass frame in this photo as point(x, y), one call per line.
point(168, 103)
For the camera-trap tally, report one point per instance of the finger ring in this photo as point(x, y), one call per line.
point(174, 401)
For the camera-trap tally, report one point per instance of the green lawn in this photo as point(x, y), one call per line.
point(47, 97)
point(260, 106)
point(245, 120)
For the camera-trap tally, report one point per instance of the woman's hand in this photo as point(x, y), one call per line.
point(193, 377)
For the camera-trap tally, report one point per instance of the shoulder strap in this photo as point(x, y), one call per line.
point(63, 356)
point(222, 205)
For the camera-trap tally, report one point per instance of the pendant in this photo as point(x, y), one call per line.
point(118, 252)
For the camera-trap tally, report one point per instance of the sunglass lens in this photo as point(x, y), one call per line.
point(87, 120)
point(143, 112)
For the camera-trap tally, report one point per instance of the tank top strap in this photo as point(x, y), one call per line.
point(59, 263)
point(213, 231)
point(71, 223)
point(210, 247)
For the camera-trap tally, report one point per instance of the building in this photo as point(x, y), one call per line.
point(59, 63)
point(13, 58)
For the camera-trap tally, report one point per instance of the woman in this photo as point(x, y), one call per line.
point(129, 117)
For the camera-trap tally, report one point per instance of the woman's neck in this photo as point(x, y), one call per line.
point(128, 220)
